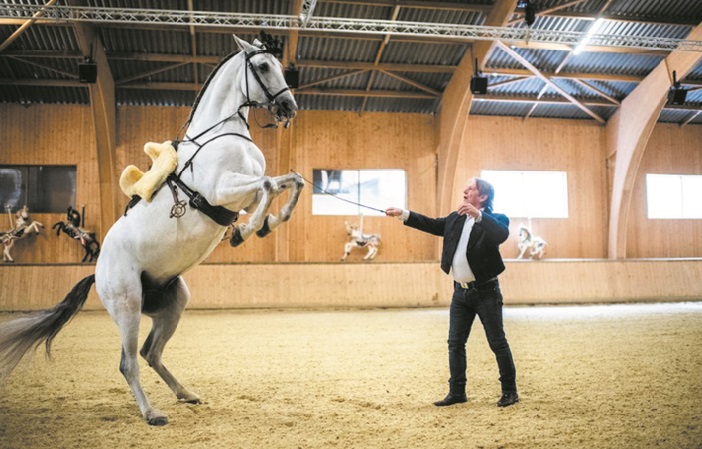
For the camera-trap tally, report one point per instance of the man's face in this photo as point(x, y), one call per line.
point(471, 195)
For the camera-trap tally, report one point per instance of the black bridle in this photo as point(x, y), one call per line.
point(248, 103)
point(257, 77)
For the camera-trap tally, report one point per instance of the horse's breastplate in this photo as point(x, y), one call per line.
point(220, 215)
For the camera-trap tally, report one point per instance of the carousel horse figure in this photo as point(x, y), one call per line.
point(221, 172)
point(23, 227)
point(533, 246)
point(357, 239)
point(74, 230)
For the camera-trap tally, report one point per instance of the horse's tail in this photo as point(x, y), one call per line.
point(18, 336)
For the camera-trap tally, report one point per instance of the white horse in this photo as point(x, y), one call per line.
point(23, 227)
point(357, 239)
point(530, 244)
point(145, 252)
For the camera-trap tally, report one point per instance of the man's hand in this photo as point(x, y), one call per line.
point(468, 209)
point(393, 212)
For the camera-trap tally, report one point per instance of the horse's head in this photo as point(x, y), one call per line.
point(351, 229)
point(23, 213)
point(524, 233)
point(264, 82)
point(73, 216)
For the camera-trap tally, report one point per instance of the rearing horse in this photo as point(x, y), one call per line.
point(23, 227)
point(145, 252)
point(72, 228)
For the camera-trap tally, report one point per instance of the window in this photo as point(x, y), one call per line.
point(529, 194)
point(674, 196)
point(341, 192)
point(44, 189)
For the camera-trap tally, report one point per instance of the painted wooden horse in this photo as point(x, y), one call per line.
point(357, 239)
point(220, 172)
point(532, 246)
point(23, 227)
point(72, 228)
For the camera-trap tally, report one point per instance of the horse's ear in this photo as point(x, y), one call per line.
point(242, 44)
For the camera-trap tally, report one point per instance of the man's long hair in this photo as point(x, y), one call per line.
point(485, 188)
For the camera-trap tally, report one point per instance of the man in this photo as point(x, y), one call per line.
point(472, 236)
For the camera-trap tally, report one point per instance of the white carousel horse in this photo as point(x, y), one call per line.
point(23, 227)
point(530, 244)
point(87, 239)
point(357, 239)
point(146, 250)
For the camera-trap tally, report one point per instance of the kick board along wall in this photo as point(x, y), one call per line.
point(298, 265)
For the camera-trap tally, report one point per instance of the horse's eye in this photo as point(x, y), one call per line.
point(263, 68)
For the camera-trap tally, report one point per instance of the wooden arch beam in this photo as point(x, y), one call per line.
point(104, 110)
point(455, 106)
point(629, 130)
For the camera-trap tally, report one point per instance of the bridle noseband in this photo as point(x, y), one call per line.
point(257, 77)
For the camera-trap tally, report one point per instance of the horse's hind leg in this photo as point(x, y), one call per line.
point(6, 256)
point(372, 251)
point(122, 299)
point(165, 320)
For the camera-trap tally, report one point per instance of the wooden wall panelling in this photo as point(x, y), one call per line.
point(63, 134)
point(375, 140)
point(671, 150)
point(423, 284)
point(53, 135)
point(576, 147)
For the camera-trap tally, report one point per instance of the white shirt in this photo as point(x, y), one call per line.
point(460, 269)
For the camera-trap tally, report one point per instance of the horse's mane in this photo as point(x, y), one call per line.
point(206, 84)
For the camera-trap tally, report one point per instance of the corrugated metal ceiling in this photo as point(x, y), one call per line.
point(360, 72)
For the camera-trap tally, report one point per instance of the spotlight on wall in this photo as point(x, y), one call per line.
point(292, 76)
point(676, 94)
point(529, 11)
point(87, 71)
point(479, 83)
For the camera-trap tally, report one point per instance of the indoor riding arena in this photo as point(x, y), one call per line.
point(229, 224)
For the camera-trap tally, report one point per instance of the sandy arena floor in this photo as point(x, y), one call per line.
point(626, 376)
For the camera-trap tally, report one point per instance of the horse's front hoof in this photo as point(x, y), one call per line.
point(158, 421)
point(236, 239)
point(265, 230)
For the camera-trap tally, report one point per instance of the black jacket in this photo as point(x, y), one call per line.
point(483, 246)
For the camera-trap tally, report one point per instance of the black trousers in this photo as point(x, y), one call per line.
point(484, 301)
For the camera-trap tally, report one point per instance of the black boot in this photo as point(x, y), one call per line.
point(451, 399)
point(508, 399)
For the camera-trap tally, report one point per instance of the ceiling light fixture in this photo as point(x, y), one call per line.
point(478, 83)
point(529, 11)
point(292, 76)
point(676, 94)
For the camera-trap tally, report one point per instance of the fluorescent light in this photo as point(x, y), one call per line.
point(593, 29)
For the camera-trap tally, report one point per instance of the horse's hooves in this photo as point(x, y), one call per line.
point(158, 421)
point(265, 230)
point(236, 238)
point(189, 398)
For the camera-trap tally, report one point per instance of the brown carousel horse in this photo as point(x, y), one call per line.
point(87, 239)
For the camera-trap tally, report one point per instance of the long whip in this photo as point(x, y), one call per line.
point(337, 196)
